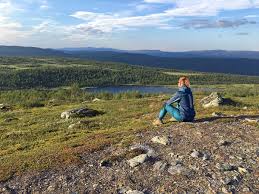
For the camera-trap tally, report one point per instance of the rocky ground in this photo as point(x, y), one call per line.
point(214, 156)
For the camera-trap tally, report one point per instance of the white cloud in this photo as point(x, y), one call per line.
point(10, 30)
point(101, 22)
point(158, 1)
point(251, 16)
point(44, 5)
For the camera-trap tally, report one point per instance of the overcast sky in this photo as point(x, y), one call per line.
point(171, 25)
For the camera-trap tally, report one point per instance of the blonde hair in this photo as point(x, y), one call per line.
point(184, 81)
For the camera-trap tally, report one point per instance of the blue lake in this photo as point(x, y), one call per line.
point(141, 89)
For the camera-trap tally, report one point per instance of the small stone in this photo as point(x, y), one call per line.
point(246, 190)
point(95, 186)
point(225, 191)
point(195, 154)
point(138, 160)
point(122, 190)
point(231, 181)
point(176, 169)
point(245, 107)
point(252, 120)
point(161, 140)
point(134, 192)
point(160, 166)
point(96, 100)
point(224, 143)
point(105, 163)
point(205, 157)
point(4, 107)
point(10, 119)
point(51, 188)
point(226, 167)
point(147, 150)
point(72, 126)
point(242, 170)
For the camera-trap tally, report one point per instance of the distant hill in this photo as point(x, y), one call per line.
point(231, 62)
point(203, 54)
point(217, 65)
point(71, 50)
point(186, 54)
point(29, 51)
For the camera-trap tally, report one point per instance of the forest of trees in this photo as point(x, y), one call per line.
point(18, 73)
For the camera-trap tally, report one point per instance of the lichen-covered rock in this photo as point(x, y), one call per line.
point(176, 169)
point(146, 149)
point(160, 166)
point(161, 140)
point(196, 154)
point(134, 192)
point(5, 107)
point(96, 100)
point(138, 160)
point(81, 112)
point(213, 100)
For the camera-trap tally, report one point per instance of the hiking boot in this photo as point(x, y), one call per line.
point(157, 122)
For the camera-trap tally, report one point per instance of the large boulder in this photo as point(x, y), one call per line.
point(213, 100)
point(81, 112)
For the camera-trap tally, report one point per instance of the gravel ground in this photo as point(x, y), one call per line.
point(219, 156)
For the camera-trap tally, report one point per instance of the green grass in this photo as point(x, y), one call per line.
point(37, 138)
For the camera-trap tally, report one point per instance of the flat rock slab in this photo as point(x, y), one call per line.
point(81, 112)
point(164, 140)
point(160, 166)
point(138, 160)
point(134, 192)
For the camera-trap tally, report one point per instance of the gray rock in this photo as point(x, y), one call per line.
point(257, 152)
point(147, 149)
point(251, 120)
point(160, 166)
point(10, 119)
point(105, 163)
point(5, 107)
point(226, 167)
point(138, 160)
point(176, 169)
point(134, 192)
point(205, 156)
point(196, 154)
point(161, 140)
point(213, 100)
point(81, 112)
point(96, 100)
point(72, 126)
point(224, 143)
point(231, 180)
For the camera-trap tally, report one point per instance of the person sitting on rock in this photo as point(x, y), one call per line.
point(184, 111)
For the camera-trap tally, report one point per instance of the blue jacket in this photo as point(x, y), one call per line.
point(184, 98)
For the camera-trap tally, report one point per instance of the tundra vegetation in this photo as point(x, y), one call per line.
point(33, 137)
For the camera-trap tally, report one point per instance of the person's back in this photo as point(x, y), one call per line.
point(184, 111)
point(185, 104)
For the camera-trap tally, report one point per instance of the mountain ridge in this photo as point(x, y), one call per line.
point(204, 63)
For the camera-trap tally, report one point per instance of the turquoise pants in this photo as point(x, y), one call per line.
point(172, 110)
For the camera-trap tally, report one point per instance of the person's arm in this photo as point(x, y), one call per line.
point(175, 98)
